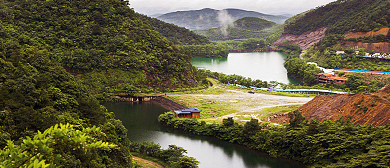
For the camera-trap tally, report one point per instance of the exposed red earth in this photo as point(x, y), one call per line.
point(371, 108)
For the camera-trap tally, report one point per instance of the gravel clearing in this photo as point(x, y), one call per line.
point(245, 102)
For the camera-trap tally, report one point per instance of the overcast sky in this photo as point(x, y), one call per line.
point(151, 7)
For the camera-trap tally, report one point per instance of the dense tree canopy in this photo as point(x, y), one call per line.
point(41, 41)
point(229, 32)
point(87, 36)
point(197, 45)
point(177, 35)
point(253, 23)
point(37, 93)
point(343, 16)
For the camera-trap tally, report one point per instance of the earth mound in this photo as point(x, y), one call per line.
point(361, 108)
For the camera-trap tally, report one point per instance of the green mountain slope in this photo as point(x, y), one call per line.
point(89, 37)
point(360, 25)
point(177, 35)
point(209, 18)
point(107, 49)
point(36, 93)
point(253, 23)
point(343, 16)
point(197, 45)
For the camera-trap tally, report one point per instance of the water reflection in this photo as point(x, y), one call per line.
point(141, 121)
point(266, 66)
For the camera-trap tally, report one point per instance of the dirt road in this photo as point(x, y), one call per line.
point(149, 163)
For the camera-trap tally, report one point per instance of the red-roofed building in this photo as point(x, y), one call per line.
point(324, 78)
point(188, 113)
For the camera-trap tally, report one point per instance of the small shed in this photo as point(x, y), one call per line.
point(188, 113)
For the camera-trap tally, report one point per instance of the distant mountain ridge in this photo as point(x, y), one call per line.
point(244, 28)
point(208, 18)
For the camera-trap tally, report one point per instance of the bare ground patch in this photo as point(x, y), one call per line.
point(239, 104)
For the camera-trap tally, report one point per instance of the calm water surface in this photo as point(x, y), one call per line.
point(266, 66)
point(141, 121)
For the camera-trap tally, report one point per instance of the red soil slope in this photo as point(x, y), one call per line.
point(373, 108)
point(309, 38)
point(305, 40)
point(367, 34)
point(377, 47)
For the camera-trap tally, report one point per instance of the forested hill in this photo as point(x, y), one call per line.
point(253, 23)
point(177, 35)
point(343, 16)
point(197, 45)
point(209, 18)
point(95, 36)
point(56, 56)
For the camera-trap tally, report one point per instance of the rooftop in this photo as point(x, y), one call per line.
point(187, 111)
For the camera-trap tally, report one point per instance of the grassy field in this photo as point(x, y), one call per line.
point(222, 101)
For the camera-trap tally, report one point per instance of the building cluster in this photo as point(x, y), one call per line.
point(324, 78)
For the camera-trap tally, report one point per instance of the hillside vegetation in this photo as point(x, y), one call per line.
point(37, 93)
point(253, 23)
point(197, 45)
point(88, 37)
point(315, 144)
point(343, 25)
point(343, 16)
point(175, 34)
point(107, 49)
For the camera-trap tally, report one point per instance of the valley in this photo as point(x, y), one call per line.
point(65, 65)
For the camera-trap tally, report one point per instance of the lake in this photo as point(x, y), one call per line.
point(140, 118)
point(266, 66)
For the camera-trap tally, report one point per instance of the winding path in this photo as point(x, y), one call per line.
point(152, 164)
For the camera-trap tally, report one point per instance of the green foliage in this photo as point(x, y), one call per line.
point(197, 45)
point(293, 51)
point(374, 39)
point(296, 119)
point(37, 93)
point(177, 35)
point(253, 44)
point(235, 79)
point(354, 82)
point(302, 70)
point(212, 50)
point(228, 32)
point(251, 127)
point(93, 36)
point(52, 147)
point(325, 144)
point(343, 16)
point(228, 122)
point(174, 155)
point(253, 23)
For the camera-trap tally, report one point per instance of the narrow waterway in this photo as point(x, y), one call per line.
point(141, 121)
point(266, 66)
